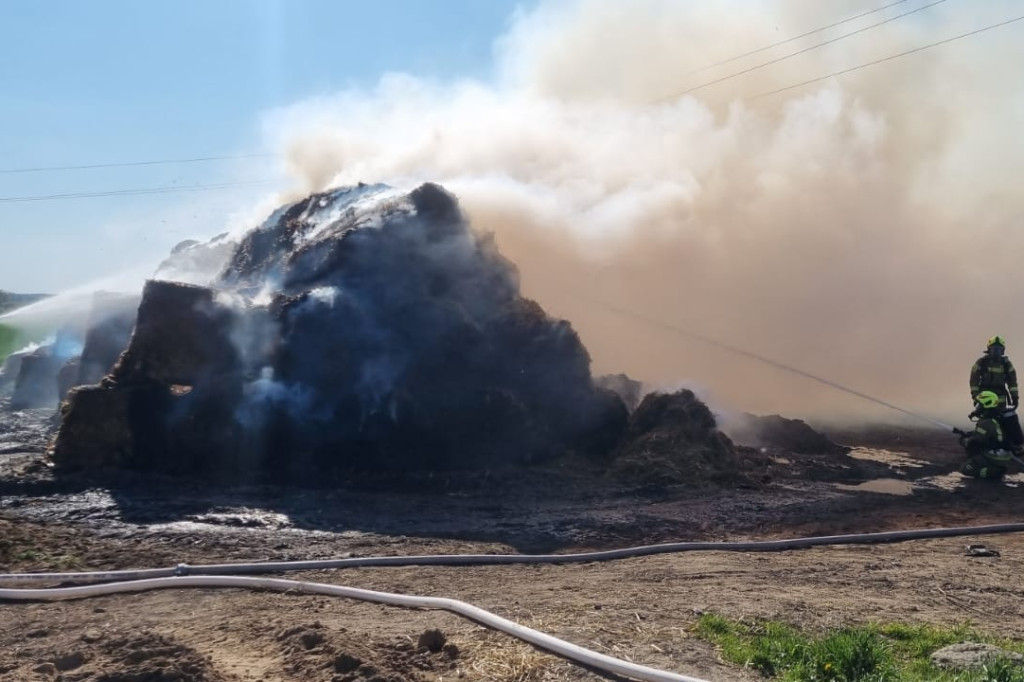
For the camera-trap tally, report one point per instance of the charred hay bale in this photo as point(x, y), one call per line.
point(673, 439)
point(182, 336)
point(147, 426)
point(408, 346)
point(169, 403)
point(357, 329)
point(36, 385)
point(601, 421)
point(544, 361)
point(191, 431)
point(108, 332)
point(426, 387)
point(10, 370)
point(95, 429)
point(67, 377)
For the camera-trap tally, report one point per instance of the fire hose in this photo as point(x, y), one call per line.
point(205, 576)
point(507, 559)
point(568, 650)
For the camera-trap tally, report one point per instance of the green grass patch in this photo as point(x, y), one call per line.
point(8, 341)
point(30, 554)
point(873, 653)
point(16, 338)
point(15, 552)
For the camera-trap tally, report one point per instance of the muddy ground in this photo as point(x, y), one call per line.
point(640, 609)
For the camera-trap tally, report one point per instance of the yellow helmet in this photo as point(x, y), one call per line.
point(997, 341)
point(988, 400)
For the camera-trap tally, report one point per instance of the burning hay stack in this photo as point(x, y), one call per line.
point(356, 329)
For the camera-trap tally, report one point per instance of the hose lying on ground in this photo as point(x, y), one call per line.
point(163, 578)
point(504, 559)
point(557, 646)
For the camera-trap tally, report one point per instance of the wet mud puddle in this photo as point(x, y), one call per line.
point(885, 486)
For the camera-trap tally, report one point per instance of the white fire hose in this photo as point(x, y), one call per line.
point(507, 559)
point(557, 646)
point(184, 575)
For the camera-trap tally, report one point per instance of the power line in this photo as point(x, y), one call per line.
point(137, 192)
point(125, 164)
point(798, 52)
point(890, 57)
point(802, 35)
point(736, 350)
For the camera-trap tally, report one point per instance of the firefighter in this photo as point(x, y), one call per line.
point(995, 373)
point(986, 446)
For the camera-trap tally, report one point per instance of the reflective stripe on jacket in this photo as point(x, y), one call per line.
point(994, 374)
point(987, 434)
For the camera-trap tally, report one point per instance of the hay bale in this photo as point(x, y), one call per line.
point(108, 331)
point(67, 376)
point(95, 429)
point(11, 368)
point(181, 337)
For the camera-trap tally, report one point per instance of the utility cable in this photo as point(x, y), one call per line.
point(789, 40)
point(891, 57)
point(126, 164)
point(710, 341)
point(137, 192)
point(794, 54)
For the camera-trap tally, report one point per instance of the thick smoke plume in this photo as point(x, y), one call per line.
point(865, 228)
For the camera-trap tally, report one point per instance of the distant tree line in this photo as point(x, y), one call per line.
point(9, 301)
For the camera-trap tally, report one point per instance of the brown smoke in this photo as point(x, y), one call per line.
point(861, 228)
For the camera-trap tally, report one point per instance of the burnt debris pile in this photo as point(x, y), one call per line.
point(357, 329)
point(779, 433)
point(629, 390)
point(673, 438)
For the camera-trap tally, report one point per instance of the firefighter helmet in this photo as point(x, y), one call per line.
point(988, 400)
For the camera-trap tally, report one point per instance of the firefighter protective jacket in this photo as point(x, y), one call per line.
point(987, 434)
point(995, 374)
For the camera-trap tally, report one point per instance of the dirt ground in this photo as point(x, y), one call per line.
point(640, 609)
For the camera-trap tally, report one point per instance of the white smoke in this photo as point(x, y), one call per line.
point(864, 228)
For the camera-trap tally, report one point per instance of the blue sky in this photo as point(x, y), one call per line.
point(111, 81)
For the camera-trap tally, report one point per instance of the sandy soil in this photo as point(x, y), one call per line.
point(640, 609)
